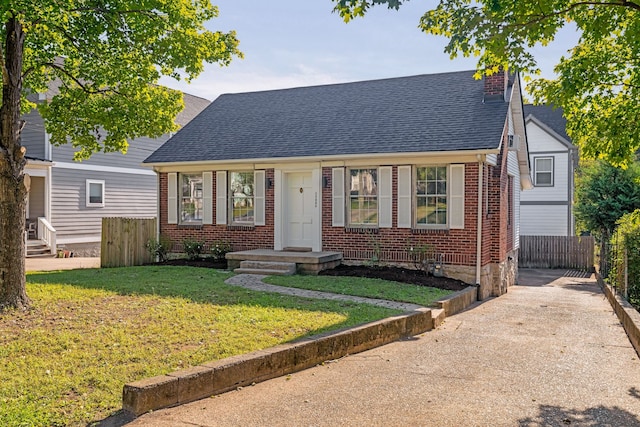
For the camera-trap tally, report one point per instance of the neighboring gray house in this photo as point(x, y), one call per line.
point(68, 199)
point(547, 210)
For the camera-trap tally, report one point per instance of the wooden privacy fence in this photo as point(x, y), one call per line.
point(124, 240)
point(575, 252)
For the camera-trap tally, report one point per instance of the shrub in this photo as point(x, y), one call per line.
point(421, 255)
point(159, 248)
point(625, 260)
point(376, 252)
point(192, 248)
point(219, 249)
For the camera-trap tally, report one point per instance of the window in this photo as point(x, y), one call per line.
point(431, 196)
point(95, 193)
point(241, 192)
point(543, 167)
point(190, 198)
point(363, 197)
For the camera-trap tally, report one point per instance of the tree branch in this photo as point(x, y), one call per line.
point(83, 86)
point(543, 16)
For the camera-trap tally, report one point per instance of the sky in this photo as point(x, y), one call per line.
point(293, 43)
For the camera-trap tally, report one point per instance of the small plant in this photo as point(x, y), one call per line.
point(193, 248)
point(159, 248)
point(219, 249)
point(421, 255)
point(376, 247)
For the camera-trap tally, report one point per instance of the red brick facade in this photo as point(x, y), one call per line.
point(457, 246)
point(241, 238)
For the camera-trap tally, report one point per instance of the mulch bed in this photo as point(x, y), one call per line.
point(396, 274)
point(201, 262)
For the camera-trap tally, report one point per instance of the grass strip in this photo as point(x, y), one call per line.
point(363, 287)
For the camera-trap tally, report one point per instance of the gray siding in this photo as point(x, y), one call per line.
point(127, 195)
point(138, 150)
point(33, 135)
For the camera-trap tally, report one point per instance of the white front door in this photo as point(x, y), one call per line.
point(299, 208)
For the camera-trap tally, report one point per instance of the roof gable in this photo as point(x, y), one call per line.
point(550, 120)
point(425, 113)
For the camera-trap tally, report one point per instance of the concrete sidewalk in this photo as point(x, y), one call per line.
point(54, 264)
point(550, 352)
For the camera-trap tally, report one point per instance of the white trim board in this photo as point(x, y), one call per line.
point(98, 168)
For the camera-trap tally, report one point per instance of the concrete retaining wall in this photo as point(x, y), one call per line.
point(629, 316)
point(220, 376)
point(458, 301)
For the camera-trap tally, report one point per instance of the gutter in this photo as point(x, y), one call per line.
point(479, 230)
point(323, 158)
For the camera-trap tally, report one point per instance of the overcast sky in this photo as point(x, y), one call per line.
point(291, 43)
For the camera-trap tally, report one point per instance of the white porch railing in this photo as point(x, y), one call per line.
point(47, 234)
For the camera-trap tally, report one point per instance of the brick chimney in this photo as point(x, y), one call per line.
point(495, 86)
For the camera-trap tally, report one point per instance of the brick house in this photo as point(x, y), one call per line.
point(367, 169)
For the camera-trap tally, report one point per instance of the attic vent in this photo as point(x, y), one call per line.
point(514, 142)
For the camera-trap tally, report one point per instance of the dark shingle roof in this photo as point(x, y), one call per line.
point(425, 113)
point(550, 117)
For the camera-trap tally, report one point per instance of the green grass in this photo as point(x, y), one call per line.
point(89, 332)
point(363, 287)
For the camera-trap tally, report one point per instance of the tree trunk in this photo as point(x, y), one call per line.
point(12, 162)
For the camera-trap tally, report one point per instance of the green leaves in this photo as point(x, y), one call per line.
point(104, 91)
point(604, 193)
point(598, 83)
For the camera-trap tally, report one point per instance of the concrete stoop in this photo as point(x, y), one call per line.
point(221, 376)
point(36, 248)
point(267, 267)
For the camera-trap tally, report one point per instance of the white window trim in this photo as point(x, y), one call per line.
point(414, 198)
point(230, 199)
point(88, 202)
point(348, 196)
point(180, 197)
point(535, 171)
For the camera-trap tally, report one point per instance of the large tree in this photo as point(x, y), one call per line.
point(598, 81)
point(101, 60)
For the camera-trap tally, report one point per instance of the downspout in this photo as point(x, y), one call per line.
point(158, 204)
point(479, 231)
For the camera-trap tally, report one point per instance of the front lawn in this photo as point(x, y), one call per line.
point(89, 332)
point(363, 287)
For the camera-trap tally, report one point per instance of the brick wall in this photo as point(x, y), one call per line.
point(495, 241)
point(458, 247)
point(241, 238)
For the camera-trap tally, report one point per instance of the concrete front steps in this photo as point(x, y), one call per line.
point(36, 248)
point(272, 268)
point(305, 262)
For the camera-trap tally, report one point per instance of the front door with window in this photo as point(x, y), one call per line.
point(300, 203)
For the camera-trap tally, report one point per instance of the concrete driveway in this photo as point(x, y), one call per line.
point(550, 352)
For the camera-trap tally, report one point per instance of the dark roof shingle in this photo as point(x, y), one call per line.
point(425, 113)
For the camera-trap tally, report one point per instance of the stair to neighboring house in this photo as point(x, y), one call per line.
point(267, 267)
point(36, 248)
